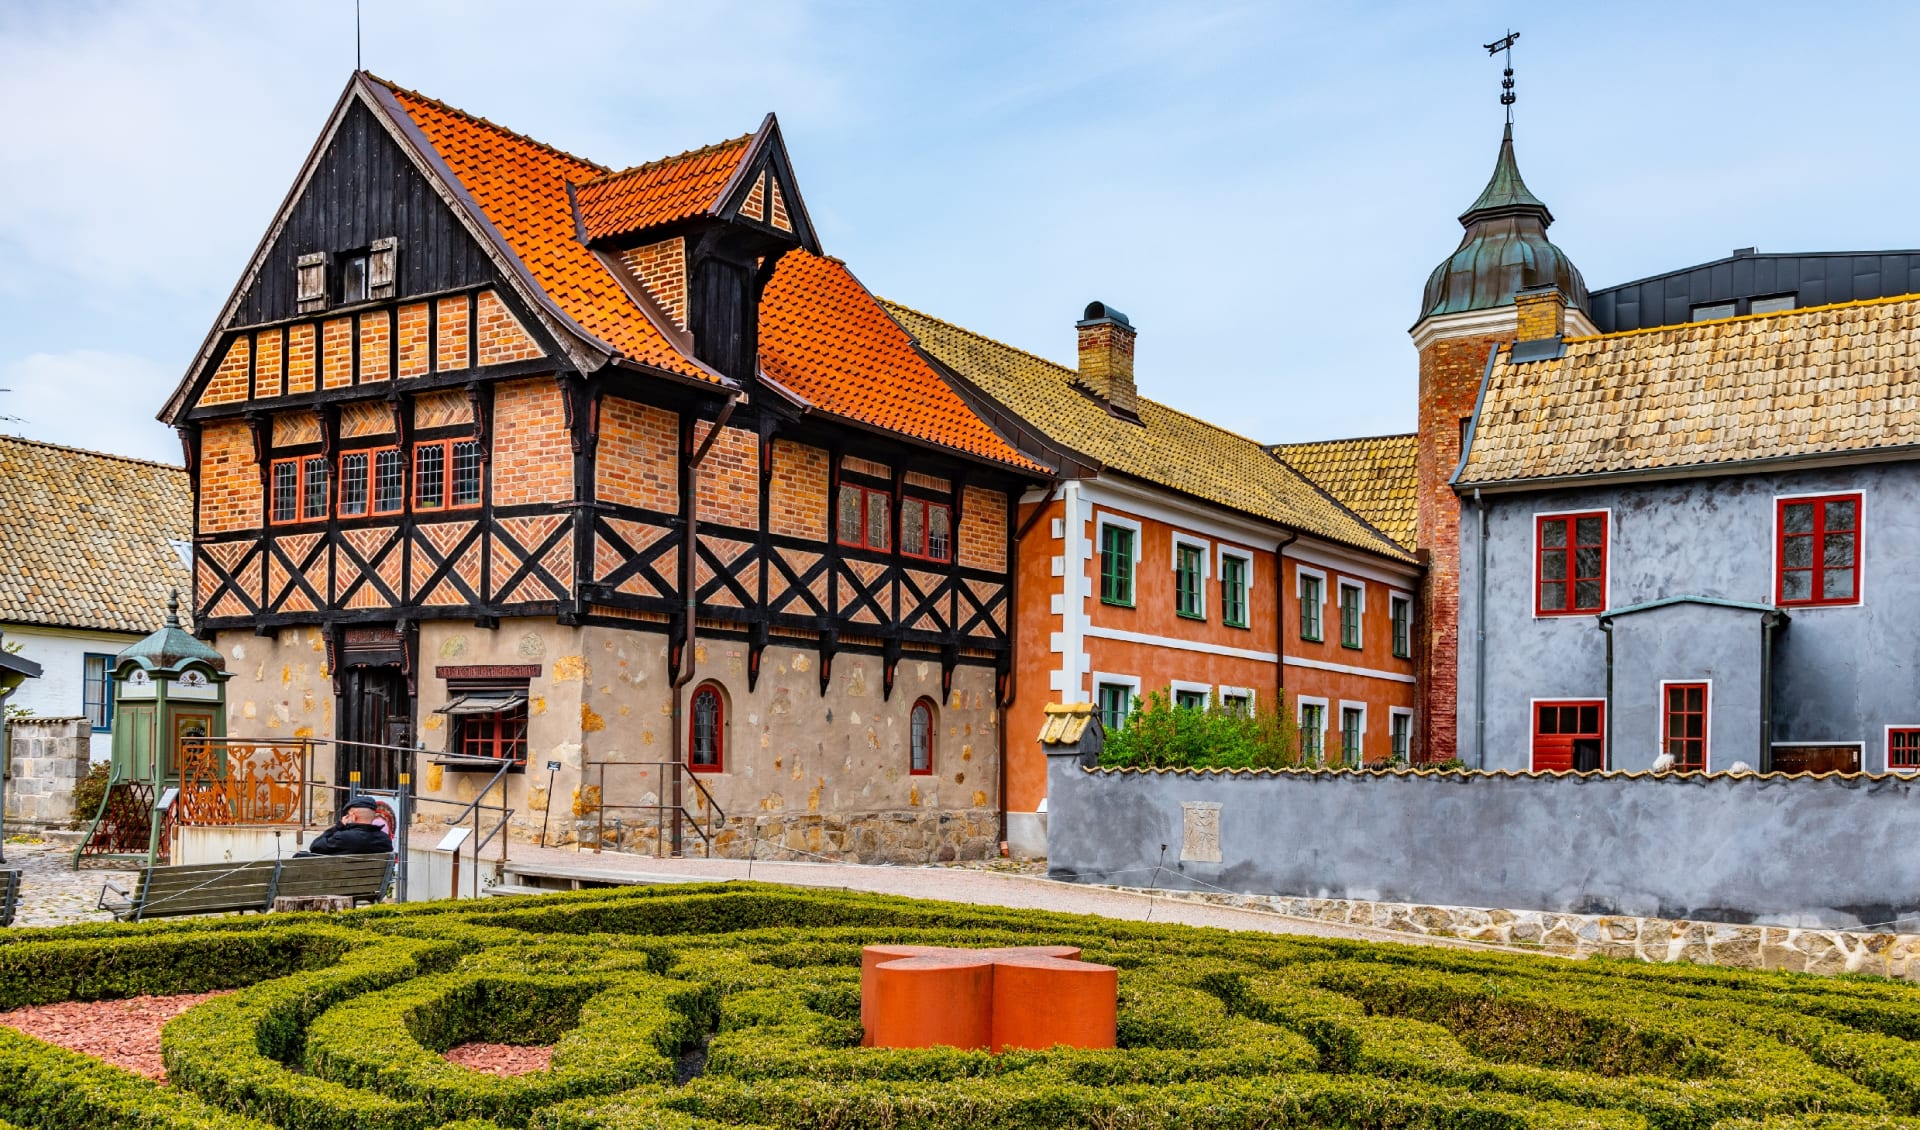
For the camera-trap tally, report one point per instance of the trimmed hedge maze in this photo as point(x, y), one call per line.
point(724, 1006)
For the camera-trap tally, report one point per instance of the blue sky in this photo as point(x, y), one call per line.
point(1263, 188)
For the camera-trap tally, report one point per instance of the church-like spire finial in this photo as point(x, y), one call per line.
point(1506, 77)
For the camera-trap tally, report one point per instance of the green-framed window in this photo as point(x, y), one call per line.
point(1233, 591)
point(1353, 724)
point(1311, 594)
point(1402, 732)
point(1116, 565)
point(1313, 732)
point(1116, 702)
point(1189, 563)
point(1353, 599)
point(1191, 700)
point(1401, 610)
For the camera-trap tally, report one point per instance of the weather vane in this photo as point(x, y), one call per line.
point(1506, 76)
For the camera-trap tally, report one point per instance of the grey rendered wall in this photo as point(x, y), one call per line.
point(1840, 674)
point(1689, 643)
point(1730, 849)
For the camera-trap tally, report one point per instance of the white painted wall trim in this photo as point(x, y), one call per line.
point(1070, 641)
point(1095, 631)
point(1353, 564)
point(1176, 686)
point(1344, 669)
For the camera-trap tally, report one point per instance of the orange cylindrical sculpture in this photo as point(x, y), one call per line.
point(1018, 997)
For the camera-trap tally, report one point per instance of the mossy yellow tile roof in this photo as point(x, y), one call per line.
point(1166, 447)
point(1371, 476)
point(1819, 381)
point(88, 540)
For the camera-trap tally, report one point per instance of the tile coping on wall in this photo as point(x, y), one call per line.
point(1729, 944)
point(1469, 774)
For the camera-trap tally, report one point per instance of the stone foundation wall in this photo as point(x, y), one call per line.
point(1595, 935)
point(48, 757)
point(902, 837)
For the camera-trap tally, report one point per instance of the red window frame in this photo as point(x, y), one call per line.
point(445, 495)
point(1903, 747)
point(1560, 722)
point(303, 466)
point(922, 730)
point(1567, 566)
point(926, 552)
point(370, 500)
point(707, 696)
point(1815, 539)
point(866, 496)
point(502, 736)
point(1689, 748)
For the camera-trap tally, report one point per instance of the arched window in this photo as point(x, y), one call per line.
point(706, 731)
point(922, 738)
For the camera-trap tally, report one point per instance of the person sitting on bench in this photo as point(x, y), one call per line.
point(355, 834)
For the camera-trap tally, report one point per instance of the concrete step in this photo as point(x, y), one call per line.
point(505, 889)
point(563, 876)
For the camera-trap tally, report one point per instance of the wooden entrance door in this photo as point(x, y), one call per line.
point(376, 714)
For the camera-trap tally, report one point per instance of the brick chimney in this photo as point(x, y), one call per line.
point(1543, 313)
point(1106, 358)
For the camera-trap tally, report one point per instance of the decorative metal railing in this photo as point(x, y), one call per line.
point(669, 808)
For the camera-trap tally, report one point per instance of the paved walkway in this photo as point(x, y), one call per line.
point(52, 893)
point(977, 886)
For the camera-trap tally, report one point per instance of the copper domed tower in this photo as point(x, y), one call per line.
point(1505, 249)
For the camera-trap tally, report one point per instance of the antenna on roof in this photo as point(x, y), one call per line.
point(1506, 76)
point(356, 37)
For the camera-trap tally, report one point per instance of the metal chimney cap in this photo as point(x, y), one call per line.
point(1101, 312)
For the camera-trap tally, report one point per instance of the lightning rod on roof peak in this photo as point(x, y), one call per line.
point(356, 35)
point(1505, 43)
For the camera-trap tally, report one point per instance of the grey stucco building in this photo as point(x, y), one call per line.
point(1697, 540)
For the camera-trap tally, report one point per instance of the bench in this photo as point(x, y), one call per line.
point(226, 888)
point(9, 894)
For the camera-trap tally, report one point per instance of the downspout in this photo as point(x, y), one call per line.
point(1480, 642)
point(1606, 738)
point(1767, 624)
point(689, 577)
point(1280, 619)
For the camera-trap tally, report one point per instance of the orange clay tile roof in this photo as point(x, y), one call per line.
point(89, 540)
point(1816, 381)
point(1371, 476)
point(658, 192)
point(521, 186)
point(826, 339)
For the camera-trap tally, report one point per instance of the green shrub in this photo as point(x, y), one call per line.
point(89, 793)
point(1160, 735)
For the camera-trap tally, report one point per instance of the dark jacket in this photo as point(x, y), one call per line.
point(351, 839)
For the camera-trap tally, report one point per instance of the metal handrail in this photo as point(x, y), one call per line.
point(716, 818)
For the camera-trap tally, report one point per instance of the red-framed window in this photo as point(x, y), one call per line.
point(1569, 735)
point(1903, 747)
point(866, 517)
point(1819, 550)
point(926, 529)
point(371, 482)
point(1684, 724)
point(300, 490)
point(922, 736)
point(501, 735)
point(446, 474)
point(707, 731)
point(1570, 564)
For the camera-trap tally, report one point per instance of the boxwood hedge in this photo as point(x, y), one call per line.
point(716, 1006)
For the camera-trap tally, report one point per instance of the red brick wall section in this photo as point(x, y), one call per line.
point(730, 478)
point(376, 356)
point(266, 362)
point(638, 459)
point(291, 429)
point(228, 486)
point(983, 529)
point(1450, 373)
point(413, 340)
point(451, 347)
point(337, 359)
point(798, 506)
point(865, 467)
point(662, 269)
point(442, 409)
point(300, 358)
point(502, 337)
point(229, 383)
point(532, 457)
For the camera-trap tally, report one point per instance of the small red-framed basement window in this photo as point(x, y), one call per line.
point(489, 720)
point(1570, 564)
point(446, 474)
point(1569, 735)
point(1819, 550)
point(1903, 747)
point(866, 517)
point(300, 490)
point(707, 730)
point(1684, 725)
point(922, 734)
point(926, 529)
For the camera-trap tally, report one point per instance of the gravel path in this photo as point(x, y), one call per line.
point(125, 1033)
point(52, 893)
point(501, 1059)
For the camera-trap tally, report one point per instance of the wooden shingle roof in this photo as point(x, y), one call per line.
point(1372, 476)
point(1166, 447)
point(89, 540)
point(1816, 382)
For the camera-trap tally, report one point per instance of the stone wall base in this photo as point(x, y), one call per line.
point(906, 837)
point(49, 756)
point(1585, 935)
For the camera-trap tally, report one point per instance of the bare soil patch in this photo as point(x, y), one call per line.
point(501, 1059)
point(125, 1033)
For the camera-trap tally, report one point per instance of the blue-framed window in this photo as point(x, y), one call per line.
point(98, 678)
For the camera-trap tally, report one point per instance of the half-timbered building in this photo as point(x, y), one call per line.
point(502, 454)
